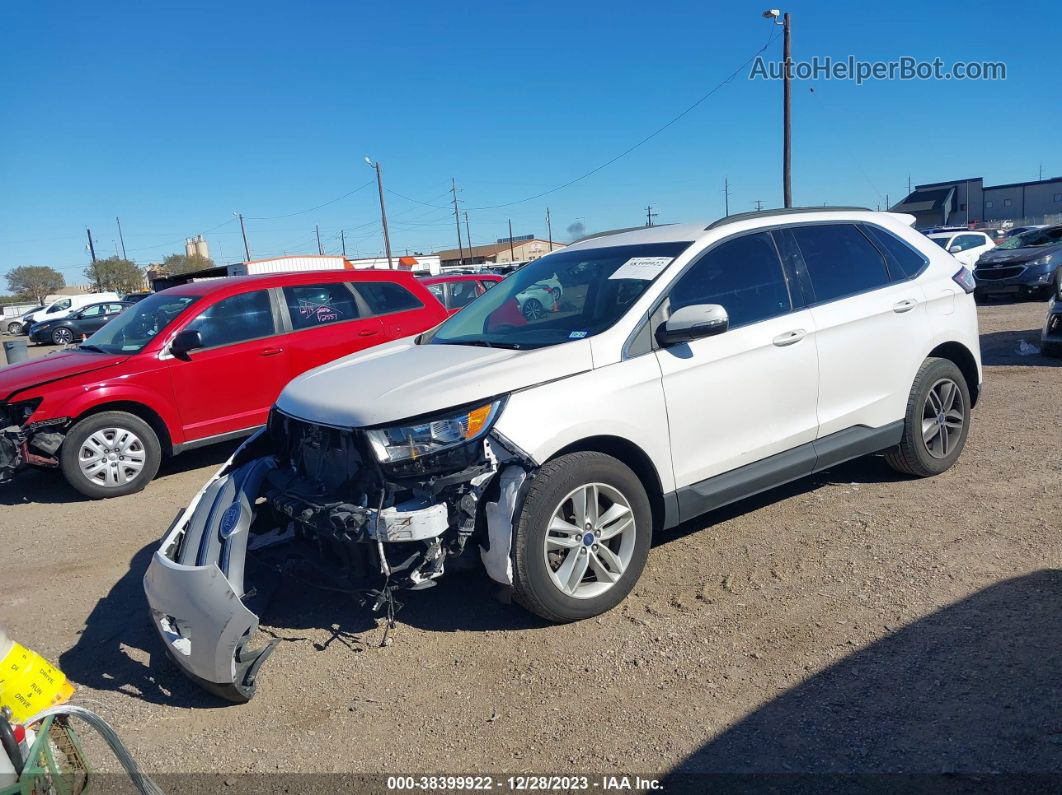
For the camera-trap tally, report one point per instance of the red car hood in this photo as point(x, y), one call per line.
point(24, 375)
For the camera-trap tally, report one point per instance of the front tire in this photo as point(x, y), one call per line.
point(14, 329)
point(937, 421)
point(533, 309)
point(582, 537)
point(62, 336)
point(110, 454)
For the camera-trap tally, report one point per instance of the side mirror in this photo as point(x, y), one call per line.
point(955, 249)
point(693, 322)
point(185, 342)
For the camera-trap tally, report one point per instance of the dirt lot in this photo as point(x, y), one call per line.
point(857, 621)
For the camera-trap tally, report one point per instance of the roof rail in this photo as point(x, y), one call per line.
point(731, 219)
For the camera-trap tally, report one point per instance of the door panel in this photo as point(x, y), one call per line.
point(327, 325)
point(230, 384)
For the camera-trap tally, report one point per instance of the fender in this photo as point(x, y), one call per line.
point(96, 396)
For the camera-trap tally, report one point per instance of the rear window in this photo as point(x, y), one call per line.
point(312, 305)
point(386, 297)
point(904, 261)
point(840, 260)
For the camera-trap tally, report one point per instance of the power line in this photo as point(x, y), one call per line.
point(309, 209)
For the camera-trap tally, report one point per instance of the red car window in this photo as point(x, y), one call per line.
point(312, 305)
point(238, 318)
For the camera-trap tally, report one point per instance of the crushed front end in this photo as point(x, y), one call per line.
point(25, 443)
point(380, 507)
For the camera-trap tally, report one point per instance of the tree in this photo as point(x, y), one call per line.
point(176, 264)
point(35, 281)
point(115, 274)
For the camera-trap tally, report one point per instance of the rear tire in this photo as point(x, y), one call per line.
point(14, 328)
point(608, 555)
point(110, 454)
point(937, 421)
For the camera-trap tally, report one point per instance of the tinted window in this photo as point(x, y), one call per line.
point(969, 241)
point(93, 311)
point(743, 275)
point(462, 294)
point(113, 309)
point(384, 297)
point(312, 305)
point(439, 291)
point(904, 261)
point(840, 260)
point(486, 285)
point(246, 316)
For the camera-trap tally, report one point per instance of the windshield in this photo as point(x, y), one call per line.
point(941, 241)
point(1034, 238)
point(567, 295)
point(139, 324)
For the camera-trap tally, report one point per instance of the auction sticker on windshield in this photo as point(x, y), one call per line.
point(645, 268)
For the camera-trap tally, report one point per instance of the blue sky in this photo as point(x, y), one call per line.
point(173, 116)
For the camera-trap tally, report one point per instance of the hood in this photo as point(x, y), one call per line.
point(1015, 254)
point(400, 380)
point(18, 377)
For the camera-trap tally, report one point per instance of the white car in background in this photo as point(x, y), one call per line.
point(540, 298)
point(966, 246)
point(19, 324)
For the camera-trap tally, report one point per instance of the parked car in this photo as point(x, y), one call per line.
point(17, 323)
point(132, 298)
point(1026, 265)
point(82, 323)
point(1017, 230)
point(692, 366)
point(456, 291)
point(966, 246)
point(190, 366)
point(61, 307)
point(540, 297)
point(1051, 337)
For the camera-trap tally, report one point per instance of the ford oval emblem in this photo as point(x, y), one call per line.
point(229, 520)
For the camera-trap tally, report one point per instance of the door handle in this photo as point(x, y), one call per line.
point(368, 332)
point(906, 305)
point(789, 337)
point(270, 351)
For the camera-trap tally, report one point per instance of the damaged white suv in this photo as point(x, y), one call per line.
point(678, 369)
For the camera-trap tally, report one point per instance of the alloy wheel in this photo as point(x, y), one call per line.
point(590, 540)
point(62, 336)
point(112, 457)
point(533, 309)
point(943, 416)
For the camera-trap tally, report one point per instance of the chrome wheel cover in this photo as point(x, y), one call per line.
point(590, 540)
point(112, 457)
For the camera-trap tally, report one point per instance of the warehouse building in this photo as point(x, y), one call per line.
point(967, 201)
point(523, 249)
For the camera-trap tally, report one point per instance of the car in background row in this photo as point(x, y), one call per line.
point(1051, 337)
point(82, 323)
point(1025, 265)
point(132, 298)
point(61, 307)
point(1017, 230)
point(190, 366)
point(17, 323)
point(457, 290)
point(966, 246)
point(540, 298)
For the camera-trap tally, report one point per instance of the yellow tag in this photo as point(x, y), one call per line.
point(29, 683)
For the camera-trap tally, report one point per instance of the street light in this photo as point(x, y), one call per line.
point(787, 184)
point(383, 211)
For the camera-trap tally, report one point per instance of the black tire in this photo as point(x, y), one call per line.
point(913, 456)
point(1052, 349)
point(69, 454)
point(533, 585)
point(14, 329)
point(533, 309)
point(62, 336)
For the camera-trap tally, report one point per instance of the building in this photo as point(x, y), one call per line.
point(417, 263)
point(523, 250)
point(967, 202)
point(196, 247)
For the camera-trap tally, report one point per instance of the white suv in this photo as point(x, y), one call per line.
point(681, 368)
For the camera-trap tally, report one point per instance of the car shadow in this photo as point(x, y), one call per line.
point(973, 688)
point(49, 487)
point(1002, 348)
point(118, 650)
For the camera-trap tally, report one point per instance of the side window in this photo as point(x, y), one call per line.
point(386, 297)
point(59, 307)
point(971, 241)
point(439, 291)
point(743, 275)
point(114, 309)
point(93, 311)
point(462, 293)
point(902, 258)
point(840, 260)
point(238, 318)
point(486, 285)
point(312, 305)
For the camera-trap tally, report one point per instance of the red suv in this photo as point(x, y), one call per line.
point(190, 366)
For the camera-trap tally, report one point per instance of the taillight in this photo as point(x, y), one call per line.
point(965, 280)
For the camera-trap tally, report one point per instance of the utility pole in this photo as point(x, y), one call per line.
point(468, 239)
point(650, 215)
point(1041, 172)
point(343, 241)
point(787, 119)
point(457, 220)
point(243, 231)
point(317, 231)
point(759, 205)
point(549, 229)
point(908, 184)
point(383, 212)
point(512, 249)
point(92, 253)
point(726, 196)
point(122, 239)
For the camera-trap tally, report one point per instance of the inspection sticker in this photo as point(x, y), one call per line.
point(577, 335)
point(646, 268)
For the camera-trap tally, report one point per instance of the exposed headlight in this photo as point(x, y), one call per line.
point(18, 413)
point(433, 434)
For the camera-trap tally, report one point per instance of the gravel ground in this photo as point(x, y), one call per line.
point(856, 621)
